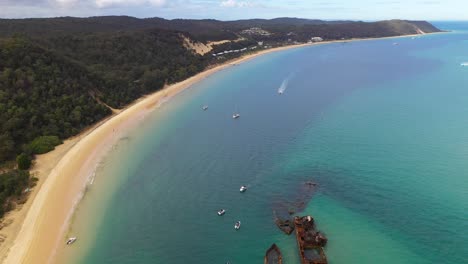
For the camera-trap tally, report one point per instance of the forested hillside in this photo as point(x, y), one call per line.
point(207, 29)
point(130, 63)
point(42, 94)
point(59, 75)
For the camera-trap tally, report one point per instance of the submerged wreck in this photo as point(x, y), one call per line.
point(273, 255)
point(287, 226)
point(309, 241)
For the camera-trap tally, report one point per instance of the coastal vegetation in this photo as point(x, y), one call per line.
point(59, 76)
point(13, 184)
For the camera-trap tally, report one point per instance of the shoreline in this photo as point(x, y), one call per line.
point(64, 173)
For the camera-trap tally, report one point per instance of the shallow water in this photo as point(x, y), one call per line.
point(380, 127)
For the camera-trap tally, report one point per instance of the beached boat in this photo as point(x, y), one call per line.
point(235, 116)
point(243, 188)
point(205, 107)
point(273, 255)
point(237, 225)
point(71, 240)
point(221, 212)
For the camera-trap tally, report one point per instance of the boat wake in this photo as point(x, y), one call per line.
point(465, 64)
point(284, 84)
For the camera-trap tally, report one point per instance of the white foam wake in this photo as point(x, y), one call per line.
point(284, 84)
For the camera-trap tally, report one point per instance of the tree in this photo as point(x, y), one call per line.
point(44, 144)
point(7, 146)
point(24, 161)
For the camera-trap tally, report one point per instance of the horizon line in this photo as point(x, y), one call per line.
point(253, 18)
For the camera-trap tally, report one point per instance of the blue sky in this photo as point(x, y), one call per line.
point(239, 9)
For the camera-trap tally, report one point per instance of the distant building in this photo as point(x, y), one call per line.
point(256, 31)
point(316, 39)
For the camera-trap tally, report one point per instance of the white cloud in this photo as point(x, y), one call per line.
point(235, 3)
point(107, 3)
point(65, 3)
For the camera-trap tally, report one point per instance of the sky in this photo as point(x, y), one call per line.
point(241, 9)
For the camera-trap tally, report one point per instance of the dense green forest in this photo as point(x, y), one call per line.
point(130, 63)
point(60, 75)
point(42, 94)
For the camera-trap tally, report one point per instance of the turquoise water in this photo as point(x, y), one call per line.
point(381, 128)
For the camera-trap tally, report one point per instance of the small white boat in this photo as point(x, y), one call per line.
point(205, 107)
point(280, 92)
point(221, 212)
point(235, 116)
point(71, 240)
point(237, 225)
point(396, 43)
point(464, 64)
point(243, 188)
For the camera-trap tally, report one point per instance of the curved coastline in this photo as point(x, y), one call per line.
point(50, 211)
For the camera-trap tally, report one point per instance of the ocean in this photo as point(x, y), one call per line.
point(381, 127)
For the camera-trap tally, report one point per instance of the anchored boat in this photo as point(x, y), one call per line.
point(221, 212)
point(237, 225)
point(243, 188)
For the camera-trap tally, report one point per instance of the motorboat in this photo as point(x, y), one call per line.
point(243, 188)
point(235, 116)
point(221, 212)
point(237, 225)
point(71, 240)
point(205, 107)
